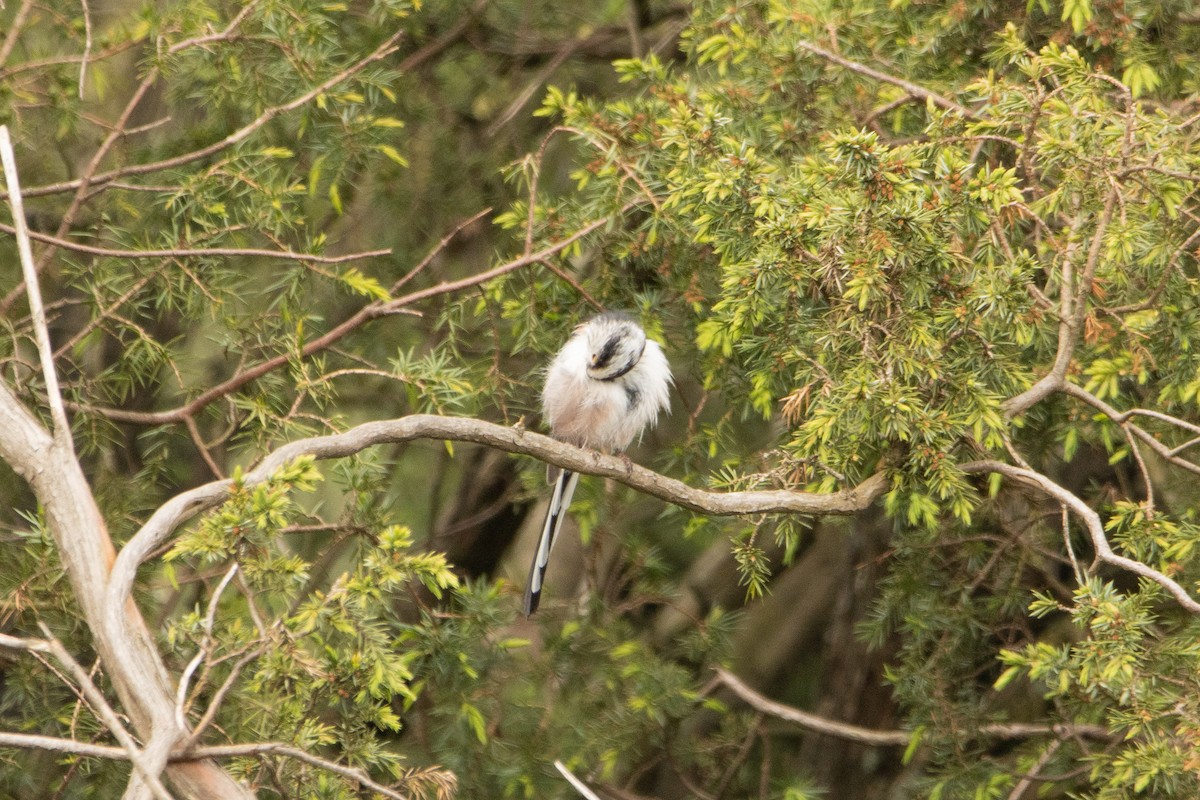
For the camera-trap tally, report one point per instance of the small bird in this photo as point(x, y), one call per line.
point(602, 389)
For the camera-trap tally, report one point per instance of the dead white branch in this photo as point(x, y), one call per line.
point(893, 738)
point(1093, 523)
point(37, 311)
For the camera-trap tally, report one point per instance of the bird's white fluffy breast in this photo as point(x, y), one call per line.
point(601, 414)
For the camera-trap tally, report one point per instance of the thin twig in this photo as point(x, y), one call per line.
point(87, 46)
point(287, 751)
point(913, 89)
point(14, 30)
point(1066, 532)
point(385, 49)
point(438, 248)
point(203, 651)
point(1027, 780)
point(218, 697)
point(1091, 519)
point(198, 252)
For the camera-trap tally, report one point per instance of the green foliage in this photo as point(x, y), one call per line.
point(862, 230)
point(883, 279)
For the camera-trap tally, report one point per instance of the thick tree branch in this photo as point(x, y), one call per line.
point(176, 511)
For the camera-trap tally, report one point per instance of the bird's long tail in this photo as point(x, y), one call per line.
point(560, 501)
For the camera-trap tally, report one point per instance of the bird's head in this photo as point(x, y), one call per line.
point(615, 343)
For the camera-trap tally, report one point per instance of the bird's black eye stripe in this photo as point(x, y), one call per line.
point(605, 356)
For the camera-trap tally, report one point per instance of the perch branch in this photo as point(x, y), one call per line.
point(176, 511)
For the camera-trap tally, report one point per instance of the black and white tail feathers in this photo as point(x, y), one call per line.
point(556, 515)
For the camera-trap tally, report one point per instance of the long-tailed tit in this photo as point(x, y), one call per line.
point(602, 389)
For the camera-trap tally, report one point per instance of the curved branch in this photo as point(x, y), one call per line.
point(892, 738)
point(177, 510)
point(1091, 520)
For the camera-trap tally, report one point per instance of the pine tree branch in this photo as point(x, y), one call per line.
point(196, 252)
point(367, 313)
point(914, 90)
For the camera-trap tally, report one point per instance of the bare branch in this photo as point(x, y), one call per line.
point(812, 722)
point(915, 90)
point(26, 741)
point(578, 785)
point(893, 738)
point(14, 31)
point(1122, 418)
point(1028, 780)
point(87, 46)
point(62, 428)
point(176, 511)
point(438, 248)
point(288, 751)
point(1091, 519)
point(203, 651)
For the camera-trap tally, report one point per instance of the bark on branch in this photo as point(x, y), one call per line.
point(893, 738)
point(176, 511)
point(1091, 520)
